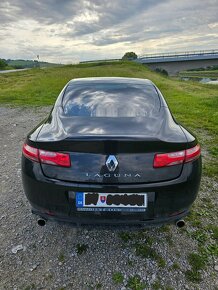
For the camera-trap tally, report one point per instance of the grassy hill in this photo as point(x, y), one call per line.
point(193, 104)
point(188, 100)
point(20, 63)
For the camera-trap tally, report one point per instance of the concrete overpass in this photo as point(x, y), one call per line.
point(175, 62)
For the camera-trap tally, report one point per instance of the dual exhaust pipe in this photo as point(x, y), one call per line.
point(180, 223)
point(41, 222)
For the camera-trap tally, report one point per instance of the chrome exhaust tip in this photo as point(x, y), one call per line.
point(41, 222)
point(180, 223)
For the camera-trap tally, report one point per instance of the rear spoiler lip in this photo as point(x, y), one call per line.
point(106, 146)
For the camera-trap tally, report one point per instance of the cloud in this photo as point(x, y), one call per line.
point(81, 29)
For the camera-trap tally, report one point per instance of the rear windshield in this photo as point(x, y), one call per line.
point(110, 100)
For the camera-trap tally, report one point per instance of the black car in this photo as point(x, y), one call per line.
point(110, 152)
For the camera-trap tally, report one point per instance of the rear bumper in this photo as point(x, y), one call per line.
point(102, 221)
point(168, 201)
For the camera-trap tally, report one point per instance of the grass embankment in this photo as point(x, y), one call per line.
point(200, 74)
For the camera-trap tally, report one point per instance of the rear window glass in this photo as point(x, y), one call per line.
point(110, 100)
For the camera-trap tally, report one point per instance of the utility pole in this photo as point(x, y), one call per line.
point(38, 60)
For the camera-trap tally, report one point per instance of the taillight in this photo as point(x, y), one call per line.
point(31, 152)
point(192, 153)
point(54, 158)
point(169, 159)
point(46, 157)
point(174, 158)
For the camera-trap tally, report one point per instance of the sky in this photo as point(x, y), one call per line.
point(69, 31)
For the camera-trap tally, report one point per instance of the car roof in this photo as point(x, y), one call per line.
point(135, 81)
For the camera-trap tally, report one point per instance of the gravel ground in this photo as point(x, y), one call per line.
point(33, 257)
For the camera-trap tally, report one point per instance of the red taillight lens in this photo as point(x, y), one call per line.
point(47, 157)
point(31, 152)
point(54, 158)
point(192, 153)
point(174, 158)
point(169, 159)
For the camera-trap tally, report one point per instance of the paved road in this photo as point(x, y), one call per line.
point(12, 70)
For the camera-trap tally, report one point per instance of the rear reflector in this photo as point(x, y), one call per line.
point(46, 157)
point(179, 157)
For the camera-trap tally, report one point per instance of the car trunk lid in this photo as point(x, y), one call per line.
point(133, 141)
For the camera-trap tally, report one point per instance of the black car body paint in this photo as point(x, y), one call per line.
point(90, 135)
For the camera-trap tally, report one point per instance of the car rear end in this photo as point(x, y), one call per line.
point(91, 165)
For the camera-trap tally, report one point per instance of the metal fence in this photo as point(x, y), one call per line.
point(180, 54)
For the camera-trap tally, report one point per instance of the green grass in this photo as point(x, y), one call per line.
point(175, 266)
point(146, 251)
point(197, 263)
point(81, 248)
point(158, 286)
point(207, 249)
point(126, 236)
point(61, 257)
point(193, 104)
point(30, 287)
point(135, 283)
point(200, 74)
point(214, 230)
point(118, 278)
point(136, 235)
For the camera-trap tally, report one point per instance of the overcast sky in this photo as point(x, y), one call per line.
point(68, 31)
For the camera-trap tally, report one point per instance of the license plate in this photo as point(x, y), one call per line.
point(92, 201)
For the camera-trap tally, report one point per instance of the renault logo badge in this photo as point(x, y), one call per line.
point(111, 163)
